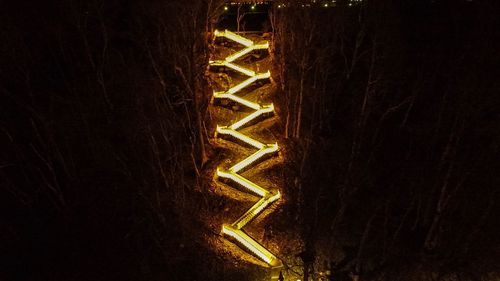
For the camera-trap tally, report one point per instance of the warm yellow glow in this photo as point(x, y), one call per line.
point(250, 214)
point(255, 210)
point(230, 93)
point(263, 110)
point(248, 82)
point(239, 54)
point(245, 51)
point(269, 148)
point(233, 36)
point(251, 244)
point(243, 182)
point(233, 66)
point(240, 69)
point(267, 196)
point(221, 95)
point(242, 85)
point(240, 136)
point(266, 202)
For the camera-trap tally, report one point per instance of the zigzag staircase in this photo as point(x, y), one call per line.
point(235, 230)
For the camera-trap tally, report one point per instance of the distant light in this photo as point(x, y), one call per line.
point(350, 4)
point(326, 6)
point(226, 8)
point(279, 6)
point(253, 7)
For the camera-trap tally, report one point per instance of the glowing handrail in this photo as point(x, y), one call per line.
point(263, 110)
point(235, 37)
point(255, 210)
point(252, 105)
point(267, 197)
point(251, 244)
point(233, 66)
point(239, 54)
point(248, 82)
point(270, 148)
point(243, 182)
point(242, 137)
point(245, 51)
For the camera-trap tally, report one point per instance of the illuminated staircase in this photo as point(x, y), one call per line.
point(267, 197)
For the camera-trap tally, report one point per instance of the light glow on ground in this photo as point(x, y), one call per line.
point(267, 196)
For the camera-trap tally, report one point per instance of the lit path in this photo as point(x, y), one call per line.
point(267, 197)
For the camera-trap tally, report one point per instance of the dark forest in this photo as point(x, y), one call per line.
point(387, 117)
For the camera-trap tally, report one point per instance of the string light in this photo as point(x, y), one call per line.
point(267, 197)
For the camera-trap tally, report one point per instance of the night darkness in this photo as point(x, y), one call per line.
point(387, 114)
